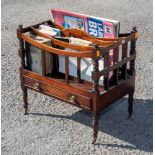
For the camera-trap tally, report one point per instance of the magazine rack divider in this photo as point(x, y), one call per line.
point(87, 95)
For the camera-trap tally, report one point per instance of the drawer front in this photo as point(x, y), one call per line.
point(70, 97)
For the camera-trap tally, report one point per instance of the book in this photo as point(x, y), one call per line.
point(34, 56)
point(78, 41)
point(95, 26)
point(49, 30)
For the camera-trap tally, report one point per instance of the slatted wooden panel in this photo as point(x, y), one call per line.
point(115, 60)
point(124, 55)
point(106, 75)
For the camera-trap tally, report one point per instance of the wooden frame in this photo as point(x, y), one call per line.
point(86, 95)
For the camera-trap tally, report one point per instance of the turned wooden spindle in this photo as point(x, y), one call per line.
point(132, 69)
point(115, 60)
point(95, 97)
point(78, 69)
point(124, 56)
point(95, 69)
point(21, 53)
point(106, 60)
point(132, 51)
point(67, 69)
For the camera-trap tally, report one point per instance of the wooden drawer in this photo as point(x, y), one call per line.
point(75, 99)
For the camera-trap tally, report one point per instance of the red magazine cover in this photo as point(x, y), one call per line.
point(95, 26)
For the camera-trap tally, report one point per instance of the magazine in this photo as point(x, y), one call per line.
point(95, 26)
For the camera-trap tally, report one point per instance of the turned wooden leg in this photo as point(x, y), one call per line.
point(95, 128)
point(25, 100)
point(130, 104)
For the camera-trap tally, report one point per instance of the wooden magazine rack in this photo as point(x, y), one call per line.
point(87, 95)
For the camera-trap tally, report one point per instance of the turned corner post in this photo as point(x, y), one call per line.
point(133, 49)
point(95, 95)
point(132, 69)
point(21, 53)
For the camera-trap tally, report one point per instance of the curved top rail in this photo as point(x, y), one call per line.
point(61, 43)
point(130, 37)
point(81, 54)
point(68, 32)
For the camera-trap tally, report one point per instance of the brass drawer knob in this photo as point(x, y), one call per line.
point(36, 86)
point(72, 99)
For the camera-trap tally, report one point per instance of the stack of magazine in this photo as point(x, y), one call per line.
point(94, 26)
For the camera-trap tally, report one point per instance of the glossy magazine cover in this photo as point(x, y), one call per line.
point(93, 25)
